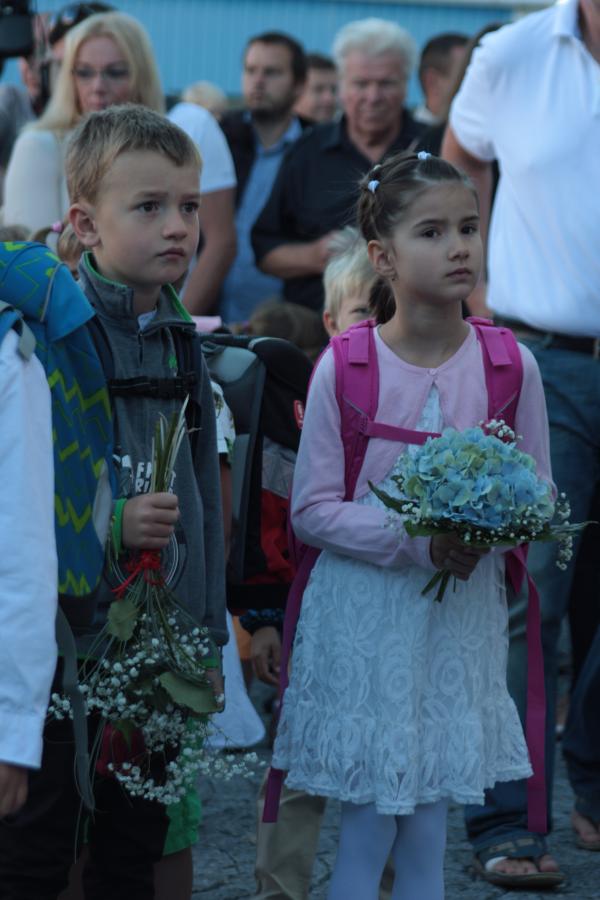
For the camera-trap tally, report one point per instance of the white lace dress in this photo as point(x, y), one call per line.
point(393, 698)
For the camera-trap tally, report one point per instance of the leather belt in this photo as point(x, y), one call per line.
point(588, 345)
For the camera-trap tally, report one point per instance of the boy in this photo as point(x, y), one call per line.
point(348, 280)
point(133, 181)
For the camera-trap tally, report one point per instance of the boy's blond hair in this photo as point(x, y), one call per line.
point(63, 110)
point(103, 136)
point(349, 272)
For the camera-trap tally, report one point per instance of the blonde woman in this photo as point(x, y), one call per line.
point(108, 60)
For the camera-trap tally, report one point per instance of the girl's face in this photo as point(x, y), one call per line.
point(102, 75)
point(434, 254)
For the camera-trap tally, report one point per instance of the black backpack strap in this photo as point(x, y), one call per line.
point(188, 351)
point(99, 337)
point(178, 387)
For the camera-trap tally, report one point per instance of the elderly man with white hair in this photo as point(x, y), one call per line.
point(316, 188)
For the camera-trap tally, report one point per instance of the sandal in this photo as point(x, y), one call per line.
point(519, 848)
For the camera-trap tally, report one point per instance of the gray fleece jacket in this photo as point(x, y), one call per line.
point(194, 561)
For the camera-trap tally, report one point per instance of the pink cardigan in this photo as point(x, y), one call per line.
point(320, 516)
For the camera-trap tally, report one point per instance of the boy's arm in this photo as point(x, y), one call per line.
point(206, 464)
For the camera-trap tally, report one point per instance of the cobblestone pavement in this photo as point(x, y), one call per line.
point(224, 855)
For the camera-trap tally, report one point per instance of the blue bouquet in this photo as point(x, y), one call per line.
point(477, 484)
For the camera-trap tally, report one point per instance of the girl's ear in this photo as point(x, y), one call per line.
point(380, 260)
point(81, 217)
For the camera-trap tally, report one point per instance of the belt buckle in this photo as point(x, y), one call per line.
point(596, 350)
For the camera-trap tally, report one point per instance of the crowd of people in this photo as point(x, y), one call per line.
point(317, 202)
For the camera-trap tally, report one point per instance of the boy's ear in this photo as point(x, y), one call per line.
point(81, 217)
point(329, 323)
point(380, 260)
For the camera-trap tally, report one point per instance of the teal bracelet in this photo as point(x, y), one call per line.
point(116, 530)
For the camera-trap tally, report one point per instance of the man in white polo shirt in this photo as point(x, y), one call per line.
point(531, 100)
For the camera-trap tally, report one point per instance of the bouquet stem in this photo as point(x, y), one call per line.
point(441, 579)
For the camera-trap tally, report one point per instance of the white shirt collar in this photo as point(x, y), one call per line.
point(566, 22)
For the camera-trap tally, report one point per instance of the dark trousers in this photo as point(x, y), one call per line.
point(572, 388)
point(37, 846)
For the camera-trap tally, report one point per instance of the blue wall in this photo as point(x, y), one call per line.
point(204, 39)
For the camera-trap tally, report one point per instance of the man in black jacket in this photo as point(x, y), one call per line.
point(316, 190)
point(273, 78)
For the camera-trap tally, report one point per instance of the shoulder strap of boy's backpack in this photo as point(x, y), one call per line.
point(503, 368)
point(13, 318)
point(189, 362)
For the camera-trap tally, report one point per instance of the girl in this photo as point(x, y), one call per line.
point(397, 704)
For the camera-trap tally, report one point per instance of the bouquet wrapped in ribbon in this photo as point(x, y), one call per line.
point(478, 485)
point(153, 675)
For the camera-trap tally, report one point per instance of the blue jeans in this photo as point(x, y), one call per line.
point(572, 388)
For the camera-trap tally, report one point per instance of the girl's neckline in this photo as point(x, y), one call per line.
point(421, 370)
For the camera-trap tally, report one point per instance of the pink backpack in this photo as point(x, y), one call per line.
point(357, 394)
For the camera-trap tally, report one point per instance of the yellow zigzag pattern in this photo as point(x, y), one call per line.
point(64, 516)
point(73, 585)
point(101, 395)
point(65, 452)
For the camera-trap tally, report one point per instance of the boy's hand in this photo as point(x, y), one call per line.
point(266, 651)
point(450, 553)
point(13, 788)
point(149, 521)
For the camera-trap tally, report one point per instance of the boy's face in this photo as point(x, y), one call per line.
point(143, 228)
point(352, 310)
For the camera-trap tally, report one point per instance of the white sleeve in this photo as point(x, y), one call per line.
point(218, 172)
point(28, 562)
point(472, 111)
point(33, 187)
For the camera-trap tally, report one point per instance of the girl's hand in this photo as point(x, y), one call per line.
point(149, 521)
point(450, 553)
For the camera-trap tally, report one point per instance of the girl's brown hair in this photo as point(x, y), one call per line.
point(386, 193)
point(389, 189)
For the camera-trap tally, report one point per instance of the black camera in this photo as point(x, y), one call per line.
point(16, 28)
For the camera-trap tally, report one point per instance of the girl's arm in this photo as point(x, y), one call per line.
point(320, 515)
point(531, 420)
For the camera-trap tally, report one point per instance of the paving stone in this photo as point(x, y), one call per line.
point(224, 855)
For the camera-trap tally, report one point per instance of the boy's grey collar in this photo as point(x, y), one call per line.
point(115, 301)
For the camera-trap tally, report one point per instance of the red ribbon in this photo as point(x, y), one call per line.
point(145, 563)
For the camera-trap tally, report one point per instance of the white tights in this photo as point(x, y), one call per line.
point(416, 843)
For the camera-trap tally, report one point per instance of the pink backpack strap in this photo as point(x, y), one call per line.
point(357, 394)
point(503, 368)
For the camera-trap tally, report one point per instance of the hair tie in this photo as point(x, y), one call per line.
point(373, 185)
point(57, 227)
point(423, 155)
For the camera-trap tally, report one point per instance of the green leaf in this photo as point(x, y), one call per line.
point(391, 502)
point(122, 616)
point(199, 698)
point(126, 727)
point(419, 530)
